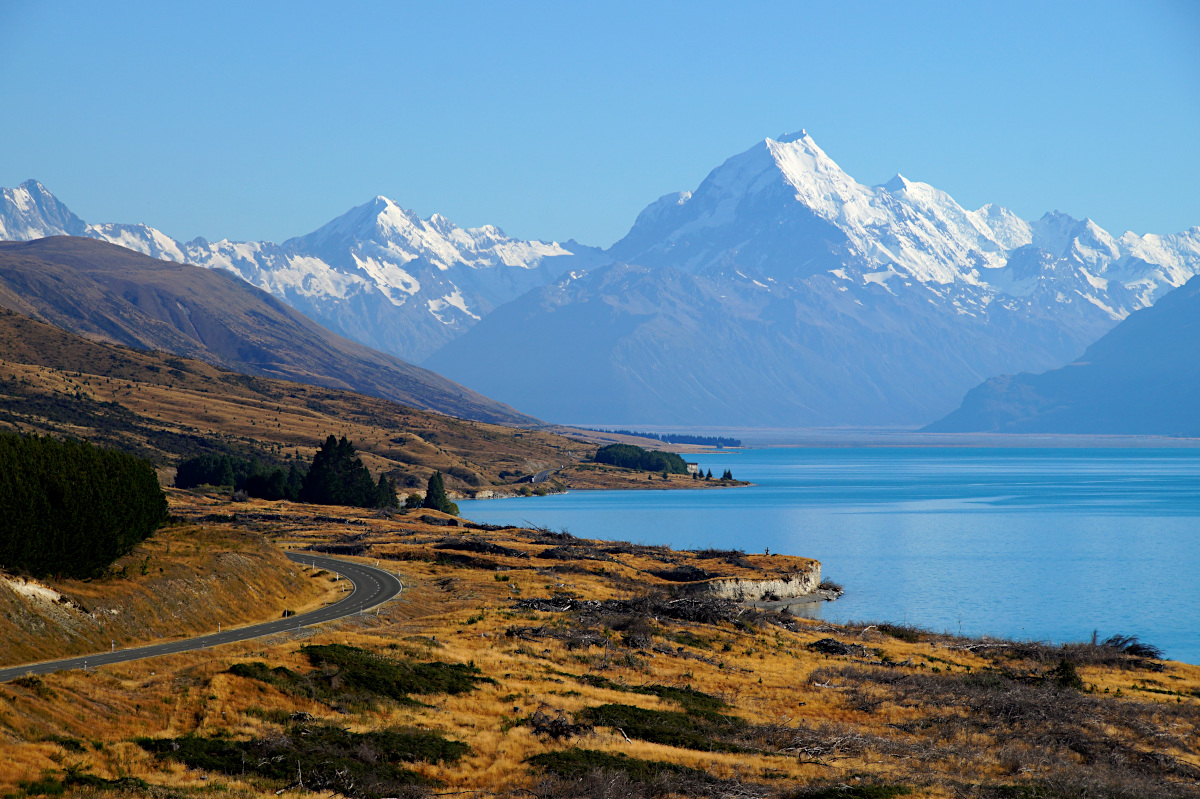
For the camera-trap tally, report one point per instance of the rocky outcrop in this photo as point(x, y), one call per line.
point(744, 589)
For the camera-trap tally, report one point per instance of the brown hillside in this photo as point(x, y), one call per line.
point(167, 408)
point(109, 293)
point(181, 582)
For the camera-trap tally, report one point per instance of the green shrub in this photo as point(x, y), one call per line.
point(841, 791)
point(328, 758)
point(348, 673)
point(668, 727)
point(695, 702)
point(575, 763)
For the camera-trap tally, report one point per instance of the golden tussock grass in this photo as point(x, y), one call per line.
point(183, 581)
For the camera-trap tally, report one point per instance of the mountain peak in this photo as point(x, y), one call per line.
point(788, 138)
point(30, 211)
point(898, 183)
point(33, 185)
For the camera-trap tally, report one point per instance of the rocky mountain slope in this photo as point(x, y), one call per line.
point(1142, 378)
point(783, 292)
point(112, 294)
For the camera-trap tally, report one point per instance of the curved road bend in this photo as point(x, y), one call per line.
point(371, 587)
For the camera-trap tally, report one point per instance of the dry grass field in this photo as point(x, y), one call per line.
point(573, 668)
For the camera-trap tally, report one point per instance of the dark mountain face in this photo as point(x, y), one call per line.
point(1142, 378)
point(107, 292)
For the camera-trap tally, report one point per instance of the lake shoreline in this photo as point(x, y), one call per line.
point(1044, 544)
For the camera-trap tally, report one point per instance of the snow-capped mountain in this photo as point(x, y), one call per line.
point(30, 212)
point(787, 209)
point(378, 274)
point(779, 291)
point(825, 302)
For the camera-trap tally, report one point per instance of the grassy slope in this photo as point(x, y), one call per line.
point(180, 582)
point(941, 715)
point(166, 408)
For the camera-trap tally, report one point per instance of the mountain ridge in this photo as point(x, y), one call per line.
point(859, 305)
point(1141, 378)
point(377, 274)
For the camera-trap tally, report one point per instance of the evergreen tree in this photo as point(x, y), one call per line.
point(295, 480)
point(709, 475)
point(337, 477)
point(435, 496)
point(224, 474)
point(727, 475)
point(215, 470)
point(385, 494)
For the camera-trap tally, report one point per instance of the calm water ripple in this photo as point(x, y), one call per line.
point(1046, 544)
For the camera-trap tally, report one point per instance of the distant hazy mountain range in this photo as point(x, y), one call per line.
point(1141, 378)
point(110, 293)
point(779, 292)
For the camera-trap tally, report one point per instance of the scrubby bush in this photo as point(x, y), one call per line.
point(324, 757)
point(347, 674)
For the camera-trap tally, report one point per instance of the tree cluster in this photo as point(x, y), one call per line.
point(250, 476)
point(70, 508)
point(337, 476)
point(633, 457)
point(678, 438)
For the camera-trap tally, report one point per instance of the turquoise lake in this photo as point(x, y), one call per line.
point(1045, 544)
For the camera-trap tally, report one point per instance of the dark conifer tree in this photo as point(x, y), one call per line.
point(385, 494)
point(337, 477)
point(435, 496)
point(295, 480)
point(709, 475)
point(71, 508)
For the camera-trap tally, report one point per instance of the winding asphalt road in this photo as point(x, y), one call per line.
point(371, 587)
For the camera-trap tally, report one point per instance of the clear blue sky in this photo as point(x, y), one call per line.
point(258, 120)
